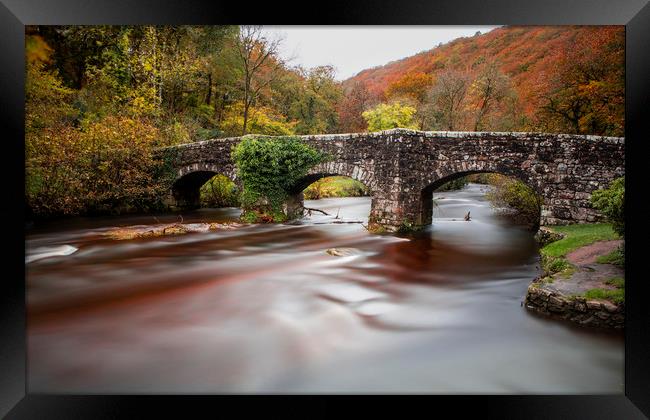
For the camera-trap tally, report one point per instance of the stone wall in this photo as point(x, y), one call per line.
point(402, 168)
point(592, 313)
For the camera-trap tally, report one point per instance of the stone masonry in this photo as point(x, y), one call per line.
point(402, 168)
point(592, 313)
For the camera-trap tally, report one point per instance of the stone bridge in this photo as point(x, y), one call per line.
point(402, 168)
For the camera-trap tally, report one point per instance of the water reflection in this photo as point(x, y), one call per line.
point(266, 309)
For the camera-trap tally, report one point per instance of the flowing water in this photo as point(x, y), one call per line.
point(264, 308)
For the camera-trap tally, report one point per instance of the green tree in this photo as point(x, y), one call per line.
point(387, 116)
point(52, 184)
point(314, 104)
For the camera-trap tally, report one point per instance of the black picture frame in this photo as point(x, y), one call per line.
point(17, 402)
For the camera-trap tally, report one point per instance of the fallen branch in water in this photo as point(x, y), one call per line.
point(310, 210)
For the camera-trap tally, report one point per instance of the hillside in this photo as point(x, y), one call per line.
point(529, 55)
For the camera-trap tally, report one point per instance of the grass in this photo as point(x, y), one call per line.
point(554, 264)
point(618, 282)
point(616, 296)
point(578, 236)
point(613, 295)
point(575, 236)
point(615, 257)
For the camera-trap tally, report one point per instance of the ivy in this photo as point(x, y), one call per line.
point(269, 167)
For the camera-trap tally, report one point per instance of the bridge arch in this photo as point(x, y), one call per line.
point(356, 172)
point(426, 194)
point(451, 171)
point(295, 203)
point(185, 189)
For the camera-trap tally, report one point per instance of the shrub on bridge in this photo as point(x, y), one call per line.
point(269, 167)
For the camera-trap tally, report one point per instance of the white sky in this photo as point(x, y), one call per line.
point(351, 49)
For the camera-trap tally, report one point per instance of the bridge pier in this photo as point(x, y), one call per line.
point(293, 206)
point(397, 206)
point(400, 215)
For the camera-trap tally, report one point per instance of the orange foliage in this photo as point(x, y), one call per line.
point(535, 58)
point(412, 85)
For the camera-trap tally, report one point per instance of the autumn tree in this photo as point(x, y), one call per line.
point(260, 64)
point(585, 94)
point(447, 98)
point(486, 92)
point(351, 108)
point(412, 88)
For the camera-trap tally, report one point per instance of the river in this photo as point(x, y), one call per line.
point(264, 309)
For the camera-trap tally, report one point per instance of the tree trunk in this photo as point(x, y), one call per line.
point(245, 119)
point(208, 98)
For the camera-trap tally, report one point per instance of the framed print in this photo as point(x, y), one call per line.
point(360, 203)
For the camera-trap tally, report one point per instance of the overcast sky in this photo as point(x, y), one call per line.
point(351, 49)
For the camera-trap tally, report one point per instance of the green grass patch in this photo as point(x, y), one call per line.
point(615, 257)
point(618, 282)
point(567, 272)
point(578, 236)
point(552, 265)
point(616, 296)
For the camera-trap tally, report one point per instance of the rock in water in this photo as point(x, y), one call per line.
point(342, 252)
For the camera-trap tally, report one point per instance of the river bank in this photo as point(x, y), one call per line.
point(580, 281)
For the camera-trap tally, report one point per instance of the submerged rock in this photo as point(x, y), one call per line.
point(342, 252)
